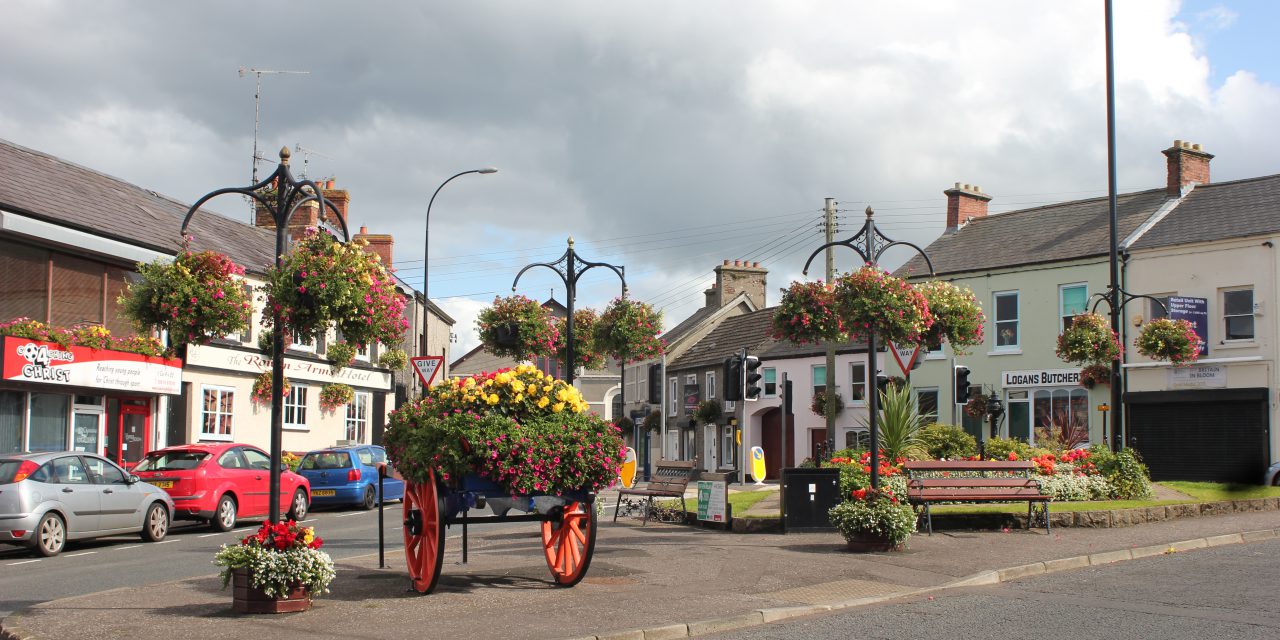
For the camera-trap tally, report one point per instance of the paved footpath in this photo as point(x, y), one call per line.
point(665, 579)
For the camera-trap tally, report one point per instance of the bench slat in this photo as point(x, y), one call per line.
point(961, 495)
point(972, 482)
point(968, 465)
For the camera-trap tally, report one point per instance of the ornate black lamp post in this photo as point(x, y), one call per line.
point(290, 193)
point(570, 267)
point(869, 244)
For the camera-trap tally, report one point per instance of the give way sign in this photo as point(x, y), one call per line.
point(427, 366)
point(905, 355)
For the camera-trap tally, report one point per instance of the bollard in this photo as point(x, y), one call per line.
point(382, 547)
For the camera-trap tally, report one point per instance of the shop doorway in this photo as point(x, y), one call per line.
point(133, 432)
point(87, 423)
point(772, 443)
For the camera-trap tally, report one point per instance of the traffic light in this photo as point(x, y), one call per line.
point(962, 384)
point(751, 378)
point(655, 383)
point(882, 384)
point(733, 378)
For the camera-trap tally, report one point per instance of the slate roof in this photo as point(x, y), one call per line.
point(750, 330)
point(1219, 211)
point(688, 324)
point(44, 187)
point(1052, 233)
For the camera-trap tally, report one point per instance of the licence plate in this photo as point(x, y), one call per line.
point(164, 484)
point(323, 492)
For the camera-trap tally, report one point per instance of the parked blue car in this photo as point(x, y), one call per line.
point(348, 476)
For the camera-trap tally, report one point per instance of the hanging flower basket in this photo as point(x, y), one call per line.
point(807, 314)
point(1089, 340)
point(628, 331)
point(976, 407)
point(517, 327)
point(324, 283)
point(394, 359)
point(957, 317)
point(262, 388)
point(708, 412)
point(870, 299)
point(197, 297)
point(1172, 340)
point(586, 352)
point(336, 395)
point(818, 404)
point(1095, 374)
point(340, 354)
point(522, 429)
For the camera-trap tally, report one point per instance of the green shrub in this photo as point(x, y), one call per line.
point(852, 478)
point(1000, 448)
point(948, 441)
point(1129, 477)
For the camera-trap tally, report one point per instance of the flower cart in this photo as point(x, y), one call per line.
point(517, 443)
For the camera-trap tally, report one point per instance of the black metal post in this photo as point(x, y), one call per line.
point(382, 539)
point(1114, 288)
point(290, 193)
point(570, 267)
point(869, 243)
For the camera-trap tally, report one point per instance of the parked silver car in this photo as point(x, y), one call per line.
point(47, 499)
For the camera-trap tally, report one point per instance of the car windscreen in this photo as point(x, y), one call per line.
point(8, 469)
point(171, 461)
point(326, 460)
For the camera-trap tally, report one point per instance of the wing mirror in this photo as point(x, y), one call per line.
point(132, 479)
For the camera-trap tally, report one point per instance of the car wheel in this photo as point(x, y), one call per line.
point(370, 498)
point(50, 535)
point(156, 526)
point(224, 518)
point(298, 510)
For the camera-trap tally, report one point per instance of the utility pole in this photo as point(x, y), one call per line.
point(829, 208)
point(257, 103)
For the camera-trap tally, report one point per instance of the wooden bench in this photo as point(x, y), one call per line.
point(669, 480)
point(927, 484)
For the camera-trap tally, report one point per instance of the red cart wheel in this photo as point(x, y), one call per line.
point(423, 533)
point(568, 544)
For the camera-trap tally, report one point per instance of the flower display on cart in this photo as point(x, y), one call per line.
point(807, 314)
point(323, 283)
point(197, 297)
point(586, 352)
point(279, 558)
point(520, 428)
point(957, 317)
point(1172, 340)
point(517, 327)
point(335, 395)
point(628, 331)
point(393, 358)
point(262, 388)
point(1089, 340)
point(870, 299)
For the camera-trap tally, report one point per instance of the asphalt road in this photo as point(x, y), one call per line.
point(107, 563)
point(1221, 593)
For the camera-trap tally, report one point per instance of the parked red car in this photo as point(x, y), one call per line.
point(222, 483)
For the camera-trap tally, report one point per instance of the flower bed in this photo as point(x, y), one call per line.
point(280, 557)
point(1172, 340)
point(520, 428)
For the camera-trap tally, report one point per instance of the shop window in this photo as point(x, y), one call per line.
point(1062, 413)
point(1006, 320)
point(770, 382)
point(927, 403)
point(819, 375)
point(50, 417)
point(1237, 314)
point(24, 281)
point(216, 412)
point(295, 407)
point(858, 382)
point(1072, 300)
point(13, 406)
point(358, 417)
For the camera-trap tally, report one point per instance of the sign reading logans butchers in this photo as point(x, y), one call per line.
point(1041, 378)
point(26, 360)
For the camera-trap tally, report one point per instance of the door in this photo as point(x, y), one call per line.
point(259, 473)
point(775, 456)
point(1211, 435)
point(120, 502)
point(135, 431)
point(817, 440)
point(1019, 415)
point(75, 490)
point(709, 447)
point(86, 431)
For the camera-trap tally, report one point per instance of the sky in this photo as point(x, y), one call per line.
point(663, 136)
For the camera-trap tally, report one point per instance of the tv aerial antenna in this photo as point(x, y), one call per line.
point(306, 156)
point(257, 121)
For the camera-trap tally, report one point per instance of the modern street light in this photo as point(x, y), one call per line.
point(290, 193)
point(426, 251)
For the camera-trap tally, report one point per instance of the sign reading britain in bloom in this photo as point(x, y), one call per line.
point(37, 361)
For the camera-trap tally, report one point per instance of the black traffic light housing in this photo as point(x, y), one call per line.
point(882, 383)
point(962, 384)
point(732, 378)
point(655, 383)
point(751, 378)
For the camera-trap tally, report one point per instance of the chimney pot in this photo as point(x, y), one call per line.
point(726, 262)
point(363, 229)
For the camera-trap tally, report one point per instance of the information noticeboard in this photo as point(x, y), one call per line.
point(711, 500)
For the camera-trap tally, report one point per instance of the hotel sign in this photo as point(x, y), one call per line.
point(213, 357)
point(26, 360)
point(1041, 378)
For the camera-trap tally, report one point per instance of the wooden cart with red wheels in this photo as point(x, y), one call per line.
point(568, 525)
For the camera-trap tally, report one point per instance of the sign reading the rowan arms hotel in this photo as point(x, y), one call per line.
point(294, 368)
point(1042, 378)
point(40, 362)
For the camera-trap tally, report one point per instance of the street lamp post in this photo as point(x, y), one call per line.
point(426, 251)
point(869, 244)
point(570, 267)
point(290, 193)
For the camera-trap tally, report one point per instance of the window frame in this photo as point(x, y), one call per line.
point(221, 390)
point(1062, 302)
point(813, 378)
point(764, 377)
point(360, 401)
point(711, 385)
point(293, 408)
point(937, 396)
point(996, 321)
point(853, 366)
point(1252, 315)
point(673, 394)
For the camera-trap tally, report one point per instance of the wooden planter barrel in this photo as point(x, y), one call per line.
point(866, 542)
point(248, 599)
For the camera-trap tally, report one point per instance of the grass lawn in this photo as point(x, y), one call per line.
point(740, 501)
point(1213, 491)
point(1054, 507)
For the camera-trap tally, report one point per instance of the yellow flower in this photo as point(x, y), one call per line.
point(492, 399)
point(517, 386)
point(488, 383)
point(557, 407)
point(310, 535)
point(562, 395)
point(546, 388)
point(469, 383)
point(503, 378)
point(543, 402)
point(519, 398)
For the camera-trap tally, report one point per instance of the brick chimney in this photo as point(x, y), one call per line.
point(379, 243)
point(340, 198)
point(1188, 165)
point(739, 277)
point(309, 214)
point(713, 296)
point(964, 203)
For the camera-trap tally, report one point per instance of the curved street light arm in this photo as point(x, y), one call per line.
point(548, 265)
point(838, 243)
point(924, 255)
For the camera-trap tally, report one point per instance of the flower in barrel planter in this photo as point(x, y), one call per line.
point(874, 520)
point(1089, 340)
point(628, 331)
point(335, 395)
point(279, 568)
point(517, 327)
point(1172, 340)
point(807, 313)
point(262, 388)
point(957, 317)
point(586, 353)
point(196, 297)
point(870, 299)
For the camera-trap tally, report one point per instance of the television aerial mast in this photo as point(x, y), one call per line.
point(257, 102)
point(306, 156)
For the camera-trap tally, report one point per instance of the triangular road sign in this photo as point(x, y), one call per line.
point(905, 355)
point(427, 366)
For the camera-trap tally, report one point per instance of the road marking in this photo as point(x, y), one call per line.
point(308, 520)
point(241, 530)
point(354, 513)
point(25, 562)
point(77, 555)
point(132, 546)
point(209, 535)
point(166, 541)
